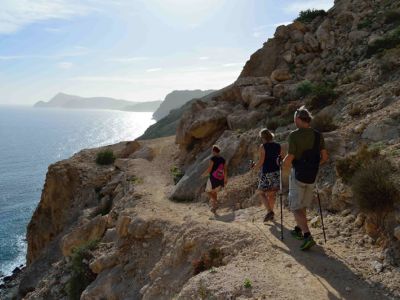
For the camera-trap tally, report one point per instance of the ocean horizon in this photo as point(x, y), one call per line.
point(34, 138)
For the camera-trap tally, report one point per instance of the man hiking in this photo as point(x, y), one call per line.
point(306, 152)
point(217, 173)
point(269, 176)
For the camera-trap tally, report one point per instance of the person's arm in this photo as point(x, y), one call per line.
point(287, 162)
point(208, 171)
point(225, 174)
point(324, 156)
point(261, 158)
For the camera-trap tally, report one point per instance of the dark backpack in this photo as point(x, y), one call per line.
point(306, 168)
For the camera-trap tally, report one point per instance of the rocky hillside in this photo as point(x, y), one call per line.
point(112, 231)
point(167, 125)
point(176, 99)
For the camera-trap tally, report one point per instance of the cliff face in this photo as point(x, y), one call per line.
point(151, 248)
point(176, 99)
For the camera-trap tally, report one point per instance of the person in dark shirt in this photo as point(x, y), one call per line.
point(269, 176)
point(217, 177)
point(301, 189)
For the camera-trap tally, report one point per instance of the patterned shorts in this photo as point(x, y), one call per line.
point(269, 181)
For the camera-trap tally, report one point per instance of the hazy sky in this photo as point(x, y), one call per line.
point(131, 49)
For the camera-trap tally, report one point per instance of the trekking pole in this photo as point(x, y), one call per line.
point(322, 217)
point(280, 197)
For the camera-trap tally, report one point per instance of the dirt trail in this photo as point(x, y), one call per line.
point(277, 269)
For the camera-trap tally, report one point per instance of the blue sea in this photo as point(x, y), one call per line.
point(30, 140)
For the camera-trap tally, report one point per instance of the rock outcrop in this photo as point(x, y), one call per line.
point(153, 248)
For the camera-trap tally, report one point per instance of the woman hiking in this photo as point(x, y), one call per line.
point(270, 154)
point(217, 177)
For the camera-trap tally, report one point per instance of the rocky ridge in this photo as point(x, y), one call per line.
point(152, 248)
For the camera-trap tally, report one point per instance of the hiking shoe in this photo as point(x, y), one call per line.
point(298, 235)
point(308, 243)
point(269, 216)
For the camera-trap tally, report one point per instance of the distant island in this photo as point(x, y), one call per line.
point(62, 100)
point(176, 99)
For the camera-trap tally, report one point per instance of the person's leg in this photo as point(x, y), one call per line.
point(271, 195)
point(213, 201)
point(301, 220)
point(263, 198)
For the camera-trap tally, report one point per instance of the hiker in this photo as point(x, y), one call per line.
point(306, 152)
point(269, 177)
point(217, 177)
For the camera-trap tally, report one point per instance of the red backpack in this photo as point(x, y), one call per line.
point(219, 172)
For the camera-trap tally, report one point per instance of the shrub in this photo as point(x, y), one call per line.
point(105, 157)
point(348, 166)
point(388, 41)
point(307, 16)
point(392, 17)
point(365, 24)
point(322, 95)
point(247, 283)
point(81, 275)
point(324, 123)
point(375, 190)
point(213, 258)
point(305, 88)
point(177, 174)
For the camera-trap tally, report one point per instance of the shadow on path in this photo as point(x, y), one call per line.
point(332, 273)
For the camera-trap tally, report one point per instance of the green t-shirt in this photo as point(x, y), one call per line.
point(302, 139)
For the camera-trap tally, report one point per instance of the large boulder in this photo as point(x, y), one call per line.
point(251, 93)
point(285, 91)
point(93, 230)
point(103, 262)
point(258, 65)
point(244, 120)
point(381, 131)
point(281, 75)
point(311, 41)
point(200, 122)
point(251, 81)
point(234, 148)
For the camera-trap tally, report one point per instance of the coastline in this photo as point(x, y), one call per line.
point(13, 269)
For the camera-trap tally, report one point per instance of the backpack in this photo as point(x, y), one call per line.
point(306, 168)
point(219, 172)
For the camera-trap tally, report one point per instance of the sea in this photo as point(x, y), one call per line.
point(33, 138)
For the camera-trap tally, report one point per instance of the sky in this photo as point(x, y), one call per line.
point(137, 50)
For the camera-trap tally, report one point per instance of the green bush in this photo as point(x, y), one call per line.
point(307, 16)
point(177, 174)
point(324, 123)
point(105, 157)
point(348, 166)
point(322, 95)
point(81, 275)
point(247, 283)
point(305, 88)
point(375, 190)
point(389, 41)
point(367, 23)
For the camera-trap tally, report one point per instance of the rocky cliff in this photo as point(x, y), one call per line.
point(111, 232)
point(176, 99)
